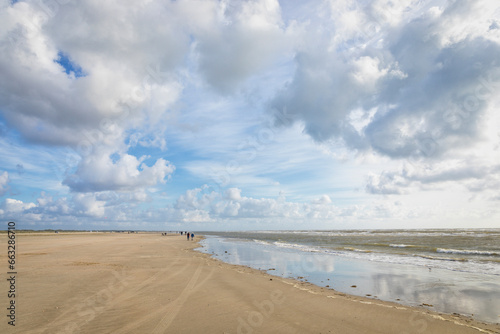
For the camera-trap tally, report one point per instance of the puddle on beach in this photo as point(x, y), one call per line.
point(446, 291)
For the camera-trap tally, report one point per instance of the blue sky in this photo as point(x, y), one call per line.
point(238, 115)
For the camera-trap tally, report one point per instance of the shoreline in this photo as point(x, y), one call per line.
point(439, 290)
point(309, 287)
point(149, 283)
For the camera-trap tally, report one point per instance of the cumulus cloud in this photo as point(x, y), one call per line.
point(14, 206)
point(229, 204)
point(249, 36)
point(202, 208)
point(473, 176)
point(4, 181)
point(233, 194)
point(58, 207)
point(97, 173)
point(195, 199)
point(411, 76)
point(88, 204)
point(132, 58)
point(116, 84)
point(324, 199)
point(248, 212)
point(386, 183)
point(127, 62)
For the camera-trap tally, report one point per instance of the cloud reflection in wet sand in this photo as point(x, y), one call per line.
point(438, 289)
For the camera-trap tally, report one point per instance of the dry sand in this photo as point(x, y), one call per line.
point(149, 283)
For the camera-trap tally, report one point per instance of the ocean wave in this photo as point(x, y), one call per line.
point(351, 249)
point(458, 264)
point(466, 252)
point(304, 248)
point(441, 258)
point(450, 262)
point(401, 246)
point(262, 242)
point(435, 234)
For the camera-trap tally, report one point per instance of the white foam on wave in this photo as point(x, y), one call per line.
point(419, 260)
point(357, 250)
point(470, 265)
point(466, 252)
point(392, 233)
point(262, 242)
point(303, 248)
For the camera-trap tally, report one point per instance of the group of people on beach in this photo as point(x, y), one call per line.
point(188, 235)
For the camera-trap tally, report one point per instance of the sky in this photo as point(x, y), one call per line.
point(250, 115)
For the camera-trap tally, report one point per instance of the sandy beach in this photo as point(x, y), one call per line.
point(149, 283)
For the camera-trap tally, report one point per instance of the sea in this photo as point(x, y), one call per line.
point(448, 271)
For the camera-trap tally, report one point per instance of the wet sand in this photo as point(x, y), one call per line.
point(441, 290)
point(149, 283)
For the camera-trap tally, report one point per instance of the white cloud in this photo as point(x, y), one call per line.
point(324, 199)
point(87, 204)
point(125, 72)
point(386, 183)
point(460, 175)
point(233, 194)
point(4, 181)
point(402, 70)
point(100, 173)
point(244, 41)
point(58, 207)
point(366, 70)
point(227, 209)
point(195, 199)
point(14, 206)
point(229, 204)
point(398, 99)
point(203, 209)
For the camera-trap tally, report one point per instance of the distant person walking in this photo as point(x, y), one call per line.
point(192, 236)
point(187, 235)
